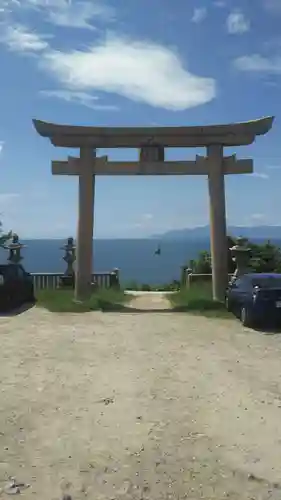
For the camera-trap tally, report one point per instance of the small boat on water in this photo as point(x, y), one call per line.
point(158, 251)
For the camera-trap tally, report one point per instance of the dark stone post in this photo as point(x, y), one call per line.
point(185, 272)
point(15, 248)
point(69, 257)
point(114, 279)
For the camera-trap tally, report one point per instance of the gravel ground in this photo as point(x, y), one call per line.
point(134, 405)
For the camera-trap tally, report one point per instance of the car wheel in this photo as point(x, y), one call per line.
point(246, 317)
point(30, 297)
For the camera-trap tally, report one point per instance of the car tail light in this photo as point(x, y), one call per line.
point(255, 293)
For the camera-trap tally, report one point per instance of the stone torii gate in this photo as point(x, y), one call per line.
point(151, 142)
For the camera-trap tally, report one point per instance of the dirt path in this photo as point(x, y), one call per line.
point(155, 301)
point(139, 406)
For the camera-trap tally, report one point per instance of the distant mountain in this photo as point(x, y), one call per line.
point(203, 232)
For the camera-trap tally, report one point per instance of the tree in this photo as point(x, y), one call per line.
point(264, 257)
point(4, 237)
point(203, 264)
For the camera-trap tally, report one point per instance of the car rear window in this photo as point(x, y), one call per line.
point(8, 271)
point(267, 282)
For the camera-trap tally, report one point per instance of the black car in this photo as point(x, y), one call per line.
point(16, 286)
point(255, 298)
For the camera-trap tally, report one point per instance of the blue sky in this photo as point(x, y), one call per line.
point(131, 62)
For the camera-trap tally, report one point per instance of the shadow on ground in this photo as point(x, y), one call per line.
point(270, 330)
point(121, 308)
point(108, 307)
point(264, 329)
point(17, 310)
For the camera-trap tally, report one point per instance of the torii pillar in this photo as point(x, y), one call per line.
point(85, 167)
point(217, 166)
point(218, 232)
point(85, 227)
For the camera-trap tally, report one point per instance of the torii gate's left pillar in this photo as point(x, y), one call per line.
point(85, 227)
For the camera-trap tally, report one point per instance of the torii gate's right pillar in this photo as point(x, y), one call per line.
point(218, 234)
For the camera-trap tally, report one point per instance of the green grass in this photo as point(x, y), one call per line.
point(61, 301)
point(198, 300)
point(144, 287)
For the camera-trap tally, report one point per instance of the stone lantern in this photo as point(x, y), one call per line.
point(241, 254)
point(69, 257)
point(15, 248)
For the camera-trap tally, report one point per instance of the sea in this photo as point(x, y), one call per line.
point(135, 258)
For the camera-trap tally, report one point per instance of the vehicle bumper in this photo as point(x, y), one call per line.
point(267, 313)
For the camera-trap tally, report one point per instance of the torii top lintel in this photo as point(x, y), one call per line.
point(235, 134)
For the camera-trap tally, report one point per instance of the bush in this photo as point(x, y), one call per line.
point(145, 288)
point(198, 299)
point(132, 285)
point(168, 287)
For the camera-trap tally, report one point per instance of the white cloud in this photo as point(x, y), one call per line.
point(6, 198)
point(199, 14)
point(258, 63)
point(145, 221)
point(7, 6)
point(259, 175)
point(237, 23)
point(219, 3)
point(257, 216)
point(79, 14)
point(141, 71)
point(273, 6)
point(81, 98)
point(270, 83)
point(18, 38)
point(1, 146)
point(71, 13)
